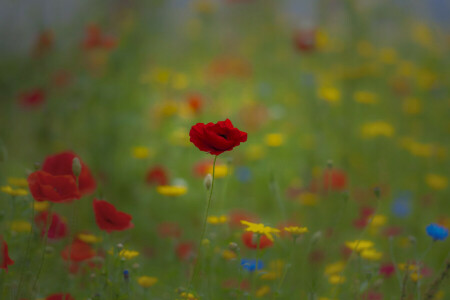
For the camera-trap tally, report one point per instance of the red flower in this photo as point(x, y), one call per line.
point(249, 240)
point(185, 251)
point(32, 98)
point(78, 251)
point(108, 218)
point(45, 186)
point(157, 175)
point(237, 216)
point(216, 138)
point(169, 229)
point(305, 40)
point(195, 102)
point(60, 296)
point(334, 179)
point(95, 39)
point(6, 260)
point(387, 270)
point(61, 164)
point(57, 229)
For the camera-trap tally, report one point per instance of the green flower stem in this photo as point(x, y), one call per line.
point(286, 268)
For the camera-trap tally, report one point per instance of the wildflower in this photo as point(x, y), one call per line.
point(334, 179)
point(195, 103)
point(5, 259)
point(13, 192)
point(243, 174)
point(305, 40)
point(171, 190)
point(377, 128)
point(60, 296)
point(188, 296)
point(217, 219)
point(437, 232)
point(262, 291)
point(185, 251)
point(237, 216)
point(140, 152)
point(20, 226)
point(371, 254)
point(387, 270)
point(334, 268)
point(169, 229)
point(308, 199)
point(336, 279)
point(33, 98)
point(108, 218)
point(402, 205)
point(365, 97)
point(221, 171)
point(19, 182)
point(61, 164)
point(207, 181)
point(41, 206)
point(436, 181)
point(228, 254)
point(260, 229)
point(57, 228)
point(54, 188)
point(216, 138)
point(250, 240)
point(147, 281)
point(88, 238)
point(251, 265)
point(78, 251)
point(359, 245)
point(255, 152)
point(388, 55)
point(330, 94)
point(128, 254)
point(295, 230)
point(157, 175)
point(95, 39)
point(274, 139)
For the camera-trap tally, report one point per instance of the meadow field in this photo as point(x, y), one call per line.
point(226, 149)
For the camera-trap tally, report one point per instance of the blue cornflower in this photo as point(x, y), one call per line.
point(402, 204)
point(437, 232)
point(243, 174)
point(250, 264)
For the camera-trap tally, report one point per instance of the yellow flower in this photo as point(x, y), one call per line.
point(88, 238)
point(365, 97)
point(171, 190)
point(41, 206)
point(377, 128)
point(140, 152)
point(308, 199)
point(274, 139)
point(220, 172)
point(330, 94)
point(180, 137)
point(13, 192)
point(188, 296)
point(336, 279)
point(20, 226)
point(378, 220)
point(217, 219)
point(388, 55)
point(359, 245)
point(371, 254)
point(334, 268)
point(415, 276)
point(228, 254)
point(179, 81)
point(410, 267)
point(260, 229)
point(436, 181)
point(412, 106)
point(128, 254)
point(295, 230)
point(161, 75)
point(147, 281)
point(255, 152)
point(262, 291)
point(168, 108)
point(20, 182)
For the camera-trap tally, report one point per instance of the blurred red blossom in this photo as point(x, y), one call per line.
point(6, 260)
point(96, 39)
point(185, 251)
point(169, 229)
point(249, 239)
point(60, 296)
point(57, 229)
point(109, 219)
point(45, 186)
point(157, 175)
point(32, 98)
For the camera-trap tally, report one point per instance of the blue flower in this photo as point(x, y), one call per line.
point(243, 174)
point(250, 264)
point(402, 204)
point(437, 232)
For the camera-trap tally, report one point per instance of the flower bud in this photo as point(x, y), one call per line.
point(233, 247)
point(208, 181)
point(76, 166)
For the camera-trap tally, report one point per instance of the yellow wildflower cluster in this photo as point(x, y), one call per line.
point(171, 190)
point(7, 189)
point(295, 230)
point(260, 229)
point(274, 139)
point(365, 97)
point(147, 281)
point(20, 226)
point(436, 181)
point(364, 249)
point(333, 272)
point(330, 94)
point(18, 181)
point(221, 170)
point(377, 128)
point(217, 219)
point(88, 238)
point(141, 152)
point(128, 254)
point(41, 206)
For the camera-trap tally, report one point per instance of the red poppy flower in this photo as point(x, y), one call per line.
point(305, 40)
point(387, 270)
point(157, 175)
point(108, 218)
point(78, 251)
point(237, 216)
point(60, 296)
point(57, 229)
point(185, 250)
point(334, 179)
point(45, 186)
point(195, 102)
point(6, 260)
point(216, 138)
point(372, 295)
point(32, 98)
point(61, 164)
point(249, 240)
point(169, 229)
point(95, 39)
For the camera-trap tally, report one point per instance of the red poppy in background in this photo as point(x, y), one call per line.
point(237, 216)
point(157, 175)
point(169, 229)
point(57, 229)
point(60, 296)
point(305, 40)
point(45, 186)
point(32, 98)
point(6, 260)
point(61, 164)
point(249, 240)
point(195, 102)
point(216, 138)
point(44, 43)
point(96, 39)
point(78, 251)
point(334, 179)
point(108, 218)
point(185, 251)
point(387, 270)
